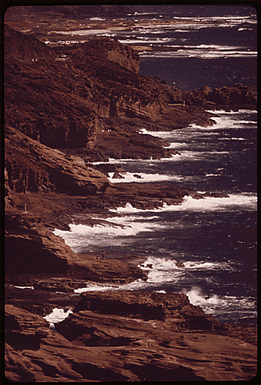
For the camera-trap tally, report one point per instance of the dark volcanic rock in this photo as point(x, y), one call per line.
point(172, 307)
point(227, 98)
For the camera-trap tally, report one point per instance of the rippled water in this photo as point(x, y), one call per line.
point(214, 238)
point(208, 45)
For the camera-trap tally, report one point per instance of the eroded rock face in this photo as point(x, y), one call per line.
point(92, 99)
point(107, 49)
point(112, 344)
point(33, 249)
point(172, 307)
point(31, 166)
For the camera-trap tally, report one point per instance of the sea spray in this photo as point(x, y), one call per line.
point(57, 315)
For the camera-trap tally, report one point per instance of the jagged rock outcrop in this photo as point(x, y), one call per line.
point(227, 98)
point(32, 167)
point(33, 249)
point(148, 306)
point(102, 50)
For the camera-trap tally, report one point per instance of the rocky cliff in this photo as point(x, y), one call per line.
point(87, 96)
point(64, 107)
point(33, 167)
point(90, 97)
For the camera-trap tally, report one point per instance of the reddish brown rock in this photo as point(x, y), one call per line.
point(42, 253)
point(32, 166)
point(94, 346)
point(94, 100)
point(93, 103)
point(227, 98)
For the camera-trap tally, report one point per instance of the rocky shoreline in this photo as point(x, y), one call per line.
point(60, 116)
point(126, 336)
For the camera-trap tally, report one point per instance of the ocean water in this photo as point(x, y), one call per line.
point(213, 45)
point(207, 45)
point(214, 238)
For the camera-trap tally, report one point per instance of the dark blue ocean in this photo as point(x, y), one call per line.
point(208, 45)
point(214, 238)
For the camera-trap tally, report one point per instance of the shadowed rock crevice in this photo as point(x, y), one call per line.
point(92, 372)
point(153, 373)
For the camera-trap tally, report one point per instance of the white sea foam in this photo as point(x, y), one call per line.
point(196, 297)
point(240, 111)
point(121, 230)
point(167, 135)
point(84, 32)
point(228, 122)
point(202, 265)
point(94, 287)
point(135, 285)
point(244, 201)
point(194, 23)
point(225, 120)
point(232, 139)
point(143, 177)
point(160, 271)
point(145, 161)
point(57, 315)
point(198, 53)
point(181, 156)
point(117, 232)
point(24, 287)
point(95, 18)
point(162, 134)
point(236, 307)
point(144, 40)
